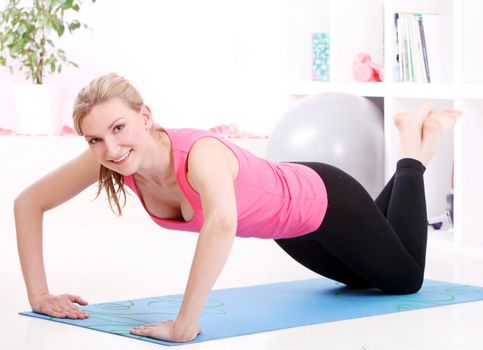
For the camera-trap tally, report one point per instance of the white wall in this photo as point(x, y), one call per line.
point(197, 63)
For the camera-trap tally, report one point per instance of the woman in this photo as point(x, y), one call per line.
point(192, 180)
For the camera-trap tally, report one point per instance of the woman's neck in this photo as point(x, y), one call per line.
point(158, 163)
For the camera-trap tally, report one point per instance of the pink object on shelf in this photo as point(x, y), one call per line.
point(366, 70)
point(67, 130)
point(4, 131)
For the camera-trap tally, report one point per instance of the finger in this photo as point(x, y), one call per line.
point(80, 311)
point(141, 331)
point(74, 308)
point(450, 112)
point(77, 299)
point(56, 313)
point(63, 310)
point(69, 306)
point(72, 313)
point(453, 112)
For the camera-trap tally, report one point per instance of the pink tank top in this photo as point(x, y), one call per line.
point(274, 200)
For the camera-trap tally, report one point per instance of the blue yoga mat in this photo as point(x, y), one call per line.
point(239, 311)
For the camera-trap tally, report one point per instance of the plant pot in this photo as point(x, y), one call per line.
point(37, 109)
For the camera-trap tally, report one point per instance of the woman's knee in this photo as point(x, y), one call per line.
point(408, 284)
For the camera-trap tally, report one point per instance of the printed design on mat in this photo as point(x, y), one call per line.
point(430, 296)
point(120, 317)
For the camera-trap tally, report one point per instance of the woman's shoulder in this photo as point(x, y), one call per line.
point(184, 138)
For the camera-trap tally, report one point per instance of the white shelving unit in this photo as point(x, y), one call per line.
point(368, 26)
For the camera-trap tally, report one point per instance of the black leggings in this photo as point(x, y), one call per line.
point(365, 243)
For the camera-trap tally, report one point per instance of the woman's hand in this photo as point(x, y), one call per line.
point(167, 331)
point(61, 306)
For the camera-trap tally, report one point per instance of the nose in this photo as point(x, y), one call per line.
point(111, 147)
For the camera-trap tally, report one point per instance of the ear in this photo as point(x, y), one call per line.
point(147, 116)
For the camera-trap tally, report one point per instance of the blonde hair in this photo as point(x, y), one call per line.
point(98, 91)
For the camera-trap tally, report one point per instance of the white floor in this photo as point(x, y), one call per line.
point(122, 258)
point(88, 251)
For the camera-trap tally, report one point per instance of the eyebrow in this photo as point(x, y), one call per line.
point(110, 126)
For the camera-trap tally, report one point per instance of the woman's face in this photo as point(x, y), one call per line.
point(117, 135)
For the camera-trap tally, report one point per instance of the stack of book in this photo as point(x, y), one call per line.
point(423, 45)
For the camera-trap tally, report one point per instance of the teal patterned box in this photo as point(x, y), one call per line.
point(320, 56)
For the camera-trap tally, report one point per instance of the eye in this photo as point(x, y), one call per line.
point(93, 141)
point(118, 128)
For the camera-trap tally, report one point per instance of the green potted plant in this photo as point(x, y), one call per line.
point(29, 31)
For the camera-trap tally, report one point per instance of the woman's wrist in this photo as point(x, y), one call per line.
point(183, 331)
point(32, 296)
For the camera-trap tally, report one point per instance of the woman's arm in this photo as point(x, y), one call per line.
point(29, 207)
point(210, 175)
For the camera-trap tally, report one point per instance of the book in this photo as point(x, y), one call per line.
point(420, 68)
point(424, 46)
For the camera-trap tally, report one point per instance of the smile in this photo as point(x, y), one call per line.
point(122, 158)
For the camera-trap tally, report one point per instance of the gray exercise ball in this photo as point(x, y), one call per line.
point(340, 129)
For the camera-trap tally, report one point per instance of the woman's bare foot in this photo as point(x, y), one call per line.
point(436, 127)
point(410, 126)
point(413, 119)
